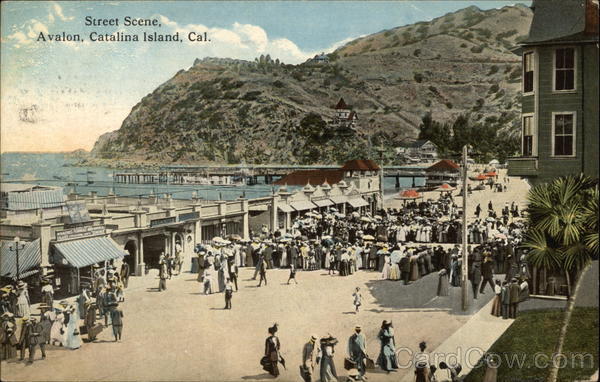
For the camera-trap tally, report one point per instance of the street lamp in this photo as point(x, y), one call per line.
point(16, 247)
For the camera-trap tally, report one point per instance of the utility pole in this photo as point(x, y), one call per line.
point(381, 150)
point(465, 265)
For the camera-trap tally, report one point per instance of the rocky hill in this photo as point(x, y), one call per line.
point(231, 111)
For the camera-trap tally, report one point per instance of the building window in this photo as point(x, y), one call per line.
point(563, 134)
point(564, 69)
point(528, 72)
point(528, 136)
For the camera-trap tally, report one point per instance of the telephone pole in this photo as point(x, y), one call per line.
point(465, 266)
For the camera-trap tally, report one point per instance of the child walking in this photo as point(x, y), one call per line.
point(357, 299)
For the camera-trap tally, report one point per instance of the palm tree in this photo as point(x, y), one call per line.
point(563, 234)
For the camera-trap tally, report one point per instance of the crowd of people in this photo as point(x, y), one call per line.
point(401, 244)
point(63, 323)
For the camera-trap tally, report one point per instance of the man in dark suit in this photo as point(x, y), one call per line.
point(505, 299)
point(514, 292)
point(263, 272)
point(487, 271)
point(405, 269)
point(475, 277)
point(31, 338)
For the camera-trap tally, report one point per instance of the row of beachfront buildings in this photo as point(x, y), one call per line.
point(66, 234)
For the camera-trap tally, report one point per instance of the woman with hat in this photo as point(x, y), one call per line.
point(272, 347)
point(387, 354)
point(327, 372)
point(57, 331)
point(72, 336)
point(47, 292)
point(8, 337)
point(22, 300)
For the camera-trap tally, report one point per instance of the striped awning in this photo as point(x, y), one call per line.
point(339, 199)
point(32, 200)
point(323, 202)
point(303, 205)
point(285, 208)
point(29, 259)
point(357, 202)
point(85, 252)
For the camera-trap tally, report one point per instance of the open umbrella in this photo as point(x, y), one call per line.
point(408, 195)
point(365, 219)
point(368, 238)
point(395, 256)
point(491, 173)
point(490, 219)
point(500, 236)
point(480, 177)
point(235, 236)
point(445, 187)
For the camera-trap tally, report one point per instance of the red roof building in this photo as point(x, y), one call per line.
point(360, 165)
point(341, 105)
point(313, 177)
point(445, 165)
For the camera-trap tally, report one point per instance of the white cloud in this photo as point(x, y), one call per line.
point(59, 12)
point(243, 41)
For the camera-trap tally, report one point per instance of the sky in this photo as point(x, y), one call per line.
point(60, 96)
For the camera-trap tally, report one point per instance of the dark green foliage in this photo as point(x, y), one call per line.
point(251, 96)
point(278, 84)
point(418, 77)
point(417, 52)
point(487, 143)
point(477, 49)
point(493, 70)
point(494, 88)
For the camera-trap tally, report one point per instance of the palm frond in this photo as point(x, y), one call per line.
point(541, 252)
point(575, 256)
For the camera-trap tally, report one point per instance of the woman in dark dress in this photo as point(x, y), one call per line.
point(271, 359)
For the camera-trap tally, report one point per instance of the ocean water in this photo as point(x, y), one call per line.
point(57, 170)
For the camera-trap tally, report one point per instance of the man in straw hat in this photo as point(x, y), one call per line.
point(357, 349)
point(308, 358)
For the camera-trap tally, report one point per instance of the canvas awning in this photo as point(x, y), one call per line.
point(285, 208)
point(85, 252)
point(357, 202)
point(339, 199)
point(29, 259)
point(323, 202)
point(303, 205)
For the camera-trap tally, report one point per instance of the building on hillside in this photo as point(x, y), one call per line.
point(444, 171)
point(421, 150)
point(320, 59)
point(560, 92)
point(345, 120)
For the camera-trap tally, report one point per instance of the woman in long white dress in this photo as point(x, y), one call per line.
point(385, 273)
point(72, 335)
point(23, 309)
point(57, 332)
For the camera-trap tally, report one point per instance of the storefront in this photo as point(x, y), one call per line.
point(73, 260)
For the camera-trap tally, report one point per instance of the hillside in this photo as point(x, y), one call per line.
point(223, 110)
